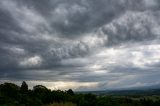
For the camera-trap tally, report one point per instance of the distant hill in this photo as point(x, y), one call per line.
point(125, 92)
point(145, 90)
point(157, 86)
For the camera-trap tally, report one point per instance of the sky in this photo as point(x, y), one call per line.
point(80, 44)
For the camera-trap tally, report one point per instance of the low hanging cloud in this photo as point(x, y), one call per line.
point(98, 44)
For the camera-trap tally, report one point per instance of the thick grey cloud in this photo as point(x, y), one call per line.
point(96, 44)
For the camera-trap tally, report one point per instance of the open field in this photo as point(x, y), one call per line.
point(61, 104)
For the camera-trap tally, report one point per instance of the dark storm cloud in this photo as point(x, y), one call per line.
point(84, 41)
point(75, 17)
point(133, 26)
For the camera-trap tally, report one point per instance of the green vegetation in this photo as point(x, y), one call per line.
point(13, 95)
point(61, 104)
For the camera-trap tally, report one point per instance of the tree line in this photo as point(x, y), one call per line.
point(14, 95)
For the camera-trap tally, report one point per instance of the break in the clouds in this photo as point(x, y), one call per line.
point(80, 44)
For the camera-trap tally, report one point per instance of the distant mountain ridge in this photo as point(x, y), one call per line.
point(145, 90)
point(157, 86)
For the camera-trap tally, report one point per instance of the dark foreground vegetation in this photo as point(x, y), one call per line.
point(13, 95)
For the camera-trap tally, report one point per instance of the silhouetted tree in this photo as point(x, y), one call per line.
point(70, 92)
point(42, 93)
point(24, 87)
point(10, 90)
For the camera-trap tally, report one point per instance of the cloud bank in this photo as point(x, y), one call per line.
point(80, 44)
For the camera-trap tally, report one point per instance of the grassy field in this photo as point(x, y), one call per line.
point(62, 104)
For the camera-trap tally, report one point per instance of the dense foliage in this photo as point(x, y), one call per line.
point(13, 95)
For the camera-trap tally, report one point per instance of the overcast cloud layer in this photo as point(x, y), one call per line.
point(80, 44)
